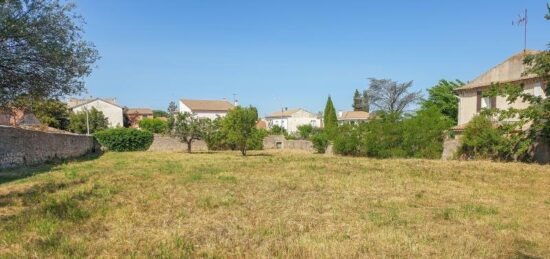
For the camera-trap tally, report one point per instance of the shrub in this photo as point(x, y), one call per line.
point(154, 125)
point(96, 120)
point(424, 133)
point(125, 139)
point(320, 142)
point(481, 139)
point(383, 136)
point(347, 141)
point(256, 142)
point(277, 130)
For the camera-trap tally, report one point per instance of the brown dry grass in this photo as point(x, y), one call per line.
point(147, 204)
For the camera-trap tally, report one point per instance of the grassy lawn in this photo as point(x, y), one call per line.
point(147, 204)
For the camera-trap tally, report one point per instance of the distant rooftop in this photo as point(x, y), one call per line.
point(207, 105)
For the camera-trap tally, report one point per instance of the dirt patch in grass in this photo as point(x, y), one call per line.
point(175, 205)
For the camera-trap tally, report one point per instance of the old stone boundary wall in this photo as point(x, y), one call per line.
point(166, 143)
point(20, 147)
point(279, 142)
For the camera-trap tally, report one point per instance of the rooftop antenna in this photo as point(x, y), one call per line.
point(522, 20)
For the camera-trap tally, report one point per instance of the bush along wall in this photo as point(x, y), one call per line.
point(124, 139)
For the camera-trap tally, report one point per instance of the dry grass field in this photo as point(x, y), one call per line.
point(210, 205)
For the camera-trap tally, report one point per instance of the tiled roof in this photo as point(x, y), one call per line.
point(354, 115)
point(286, 113)
point(511, 70)
point(207, 105)
point(146, 111)
point(79, 102)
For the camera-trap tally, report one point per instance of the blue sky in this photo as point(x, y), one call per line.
point(294, 53)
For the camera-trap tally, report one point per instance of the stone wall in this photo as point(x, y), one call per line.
point(279, 142)
point(20, 147)
point(166, 143)
point(450, 147)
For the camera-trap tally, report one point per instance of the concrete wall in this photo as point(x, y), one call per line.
point(20, 147)
point(279, 142)
point(166, 143)
point(467, 106)
point(112, 112)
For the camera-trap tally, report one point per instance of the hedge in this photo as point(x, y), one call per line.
point(124, 139)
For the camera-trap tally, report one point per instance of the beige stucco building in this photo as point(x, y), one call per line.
point(112, 111)
point(510, 71)
point(291, 119)
point(211, 109)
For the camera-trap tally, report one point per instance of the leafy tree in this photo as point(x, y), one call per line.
point(97, 121)
point(160, 114)
point(424, 133)
point(172, 108)
point(306, 131)
point(480, 139)
point(330, 121)
point(360, 102)
point(42, 51)
point(443, 98)
point(390, 96)
point(188, 128)
point(277, 130)
point(51, 112)
point(383, 136)
point(240, 126)
point(347, 140)
point(522, 128)
point(153, 125)
point(320, 142)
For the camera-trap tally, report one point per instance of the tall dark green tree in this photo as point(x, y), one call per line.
point(330, 121)
point(42, 51)
point(360, 101)
point(443, 98)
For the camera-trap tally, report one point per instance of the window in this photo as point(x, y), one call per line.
point(537, 91)
point(313, 123)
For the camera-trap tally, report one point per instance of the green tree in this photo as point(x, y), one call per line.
point(96, 120)
point(443, 98)
point(360, 102)
point(277, 130)
point(188, 128)
point(42, 50)
point(153, 125)
point(51, 112)
point(481, 139)
point(240, 126)
point(172, 108)
point(330, 121)
point(306, 131)
point(424, 133)
point(160, 114)
point(518, 143)
point(382, 137)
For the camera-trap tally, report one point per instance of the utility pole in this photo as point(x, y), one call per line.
point(522, 20)
point(87, 122)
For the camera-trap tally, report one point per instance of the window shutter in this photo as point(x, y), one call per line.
point(478, 107)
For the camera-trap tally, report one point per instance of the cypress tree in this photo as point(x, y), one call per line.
point(330, 119)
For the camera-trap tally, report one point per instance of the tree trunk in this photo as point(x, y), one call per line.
point(189, 143)
point(243, 151)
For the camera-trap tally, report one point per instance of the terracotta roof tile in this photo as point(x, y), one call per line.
point(207, 105)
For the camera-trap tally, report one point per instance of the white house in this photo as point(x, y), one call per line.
point(112, 111)
point(352, 117)
point(512, 70)
point(211, 109)
point(290, 119)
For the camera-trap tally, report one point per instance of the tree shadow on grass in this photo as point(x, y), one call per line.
point(13, 174)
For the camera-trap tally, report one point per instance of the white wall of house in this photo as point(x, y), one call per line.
point(112, 112)
point(291, 123)
point(202, 114)
point(467, 106)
